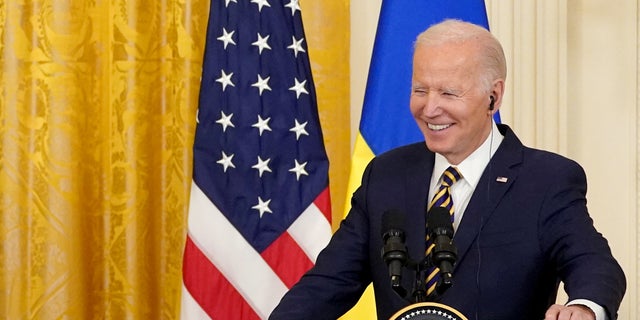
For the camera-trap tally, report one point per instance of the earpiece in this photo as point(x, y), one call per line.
point(493, 100)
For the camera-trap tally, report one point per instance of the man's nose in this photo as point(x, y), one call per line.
point(432, 106)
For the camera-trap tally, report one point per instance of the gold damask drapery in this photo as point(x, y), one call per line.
point(98, 102)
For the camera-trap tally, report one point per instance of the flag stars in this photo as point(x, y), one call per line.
point(225, 79)
point(225, 121)
point(261, 3)
point(298, 87)
point(293, 4)
point(262, 84)
point(262, 206)
point(227, 37)
point(261, 43)
point(296, 46)
point(226, 161)
point(262, 166)
point(299, 129)
point(226, 2)
point(299, 170)
point(262, 124)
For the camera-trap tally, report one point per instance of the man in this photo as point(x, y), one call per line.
point(519, 214)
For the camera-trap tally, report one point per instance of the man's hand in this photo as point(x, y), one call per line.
point(572, 312)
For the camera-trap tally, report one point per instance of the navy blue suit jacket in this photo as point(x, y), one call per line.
point(517, 240)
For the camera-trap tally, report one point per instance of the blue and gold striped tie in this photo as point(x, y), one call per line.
point(442, 198)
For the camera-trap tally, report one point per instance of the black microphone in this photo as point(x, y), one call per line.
point(394, 251)
point(444, 252)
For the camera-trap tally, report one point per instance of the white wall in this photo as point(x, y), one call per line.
point(572, 88)
point(364, 21)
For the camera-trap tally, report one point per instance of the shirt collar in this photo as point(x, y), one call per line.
point(472, 167)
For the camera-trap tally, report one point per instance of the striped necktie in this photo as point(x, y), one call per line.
point(442, 198)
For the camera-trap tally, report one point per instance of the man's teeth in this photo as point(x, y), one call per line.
point(438, 127)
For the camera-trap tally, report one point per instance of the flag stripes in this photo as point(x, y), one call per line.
point(291, 269)
point(241, 266)
point(224, 302)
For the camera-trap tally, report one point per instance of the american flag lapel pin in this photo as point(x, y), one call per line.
point(502, 179)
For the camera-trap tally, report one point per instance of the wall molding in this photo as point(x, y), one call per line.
point(534, 37)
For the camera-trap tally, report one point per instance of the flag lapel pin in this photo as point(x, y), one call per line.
point(502, 179)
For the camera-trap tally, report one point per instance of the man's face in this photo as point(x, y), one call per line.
point(448, 100)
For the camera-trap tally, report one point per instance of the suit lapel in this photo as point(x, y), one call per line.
point(417, 177)
point(497, 178)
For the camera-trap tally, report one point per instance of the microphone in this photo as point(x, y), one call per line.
point(394, 250)
point(444, 252)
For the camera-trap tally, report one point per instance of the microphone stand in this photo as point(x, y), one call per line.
point(444, 256)
point(419, 293)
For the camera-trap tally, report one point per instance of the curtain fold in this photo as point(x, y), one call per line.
point(97, 114)
point(98, 110)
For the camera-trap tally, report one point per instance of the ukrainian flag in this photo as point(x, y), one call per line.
point(386, 121)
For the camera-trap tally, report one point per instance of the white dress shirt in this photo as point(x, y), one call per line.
point(471, 170)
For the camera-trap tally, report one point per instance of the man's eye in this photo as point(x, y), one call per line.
point(449, 94)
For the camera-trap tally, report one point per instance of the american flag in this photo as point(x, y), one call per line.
point(260, 211)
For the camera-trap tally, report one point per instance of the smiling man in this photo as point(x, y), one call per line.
point(457, 75)
point(519, 214)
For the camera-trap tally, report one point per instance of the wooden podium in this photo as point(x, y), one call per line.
point(428, 311)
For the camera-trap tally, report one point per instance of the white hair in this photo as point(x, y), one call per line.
point(491, 56)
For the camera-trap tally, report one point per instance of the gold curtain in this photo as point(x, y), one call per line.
point(97, 114)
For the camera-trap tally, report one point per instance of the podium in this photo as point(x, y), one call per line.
point(428, 311)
